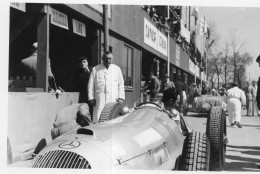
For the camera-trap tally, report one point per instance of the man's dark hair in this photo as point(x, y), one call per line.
point(82, 58)
point(258, 59)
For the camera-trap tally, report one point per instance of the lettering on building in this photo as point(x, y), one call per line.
point(59, 19)
point(18, 5)
point(154, 38)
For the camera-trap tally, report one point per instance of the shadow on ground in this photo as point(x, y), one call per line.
point(243, 163)
point(241, 166)
point(246, 125)
point(245, 147)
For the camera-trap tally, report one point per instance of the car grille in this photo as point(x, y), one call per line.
point(61, 159)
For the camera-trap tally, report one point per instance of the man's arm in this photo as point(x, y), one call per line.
point(157, 85)
point(91, 85)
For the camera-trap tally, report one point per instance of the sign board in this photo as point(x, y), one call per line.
point(197, 70)
point(79, 28)
point(185, 33)
point(162, 43)
point(18, 5)
point(178, 54)
point(154, 38)
point(59, 19)
point(150, 34)
point(191, 66)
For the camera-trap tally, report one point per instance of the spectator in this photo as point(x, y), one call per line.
point(254, 103)
point(258, 89)
point(82, 81)
point(206, 89)
point(236, 97)
point(199, 89)
point(152, 85)
point(106, 84)
point(179, 85)
point(29, 64)
point(166, 83)
point(169, 93)
point(249, 98)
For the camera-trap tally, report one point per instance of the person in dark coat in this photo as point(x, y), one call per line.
point(152, 85)
point(179, 85)
point(258, 86)
point(166, 83)
point(169, 93)
point(82, 80)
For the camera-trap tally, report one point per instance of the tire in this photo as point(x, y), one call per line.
point(195, 152)
point(216, 131)
point(110, 111)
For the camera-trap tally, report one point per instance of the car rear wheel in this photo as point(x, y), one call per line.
point(110, 111)
point(195, 153)
point(216, 131)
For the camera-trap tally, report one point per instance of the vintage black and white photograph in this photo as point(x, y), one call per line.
point(132, 86)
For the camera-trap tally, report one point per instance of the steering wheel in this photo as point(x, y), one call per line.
point(149, 103)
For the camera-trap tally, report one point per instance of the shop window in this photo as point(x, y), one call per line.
point(127, 66)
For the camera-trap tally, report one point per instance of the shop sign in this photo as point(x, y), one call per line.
point(202, 76)
point(79, 28)
point(185, 33)
point(191, 66)
point(162, 43)
point(154, 38)
point(150, 34)
point(197, 71)
point(18, 5)
point(178, 55)
point(59, 19)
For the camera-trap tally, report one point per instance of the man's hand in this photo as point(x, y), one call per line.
point(92, 102)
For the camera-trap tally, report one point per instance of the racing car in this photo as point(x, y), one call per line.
point(203, 104)
point(147, 136)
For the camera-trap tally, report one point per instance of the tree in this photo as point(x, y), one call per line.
point(211, 43)
point(225, 61)
point(216, 66)
point(238, 61)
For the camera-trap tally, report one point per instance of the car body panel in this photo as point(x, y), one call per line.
point(202, 104)
point(146, 138)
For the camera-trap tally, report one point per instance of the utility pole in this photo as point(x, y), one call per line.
point(106, 28)
point(168, 43)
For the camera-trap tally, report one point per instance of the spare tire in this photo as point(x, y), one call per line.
point(110, 111)
point(216, 131)
point(195, 152)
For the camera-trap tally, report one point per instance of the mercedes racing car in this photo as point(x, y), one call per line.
point(146, 136)
point(203, 104)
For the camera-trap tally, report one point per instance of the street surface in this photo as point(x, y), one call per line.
point(243, 149)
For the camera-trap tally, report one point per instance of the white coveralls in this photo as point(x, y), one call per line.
point(235, 97)
point(105, 85)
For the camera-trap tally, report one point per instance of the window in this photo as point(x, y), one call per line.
point(127, 66)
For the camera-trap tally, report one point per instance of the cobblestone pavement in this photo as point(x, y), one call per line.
point(243, 149)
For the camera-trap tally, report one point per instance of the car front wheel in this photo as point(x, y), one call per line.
point(216, 131)
point(195, 153)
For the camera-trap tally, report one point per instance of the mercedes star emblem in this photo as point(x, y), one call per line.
point(69, 144)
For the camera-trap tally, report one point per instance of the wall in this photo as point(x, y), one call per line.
point(117, 43)
point(31, 117)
